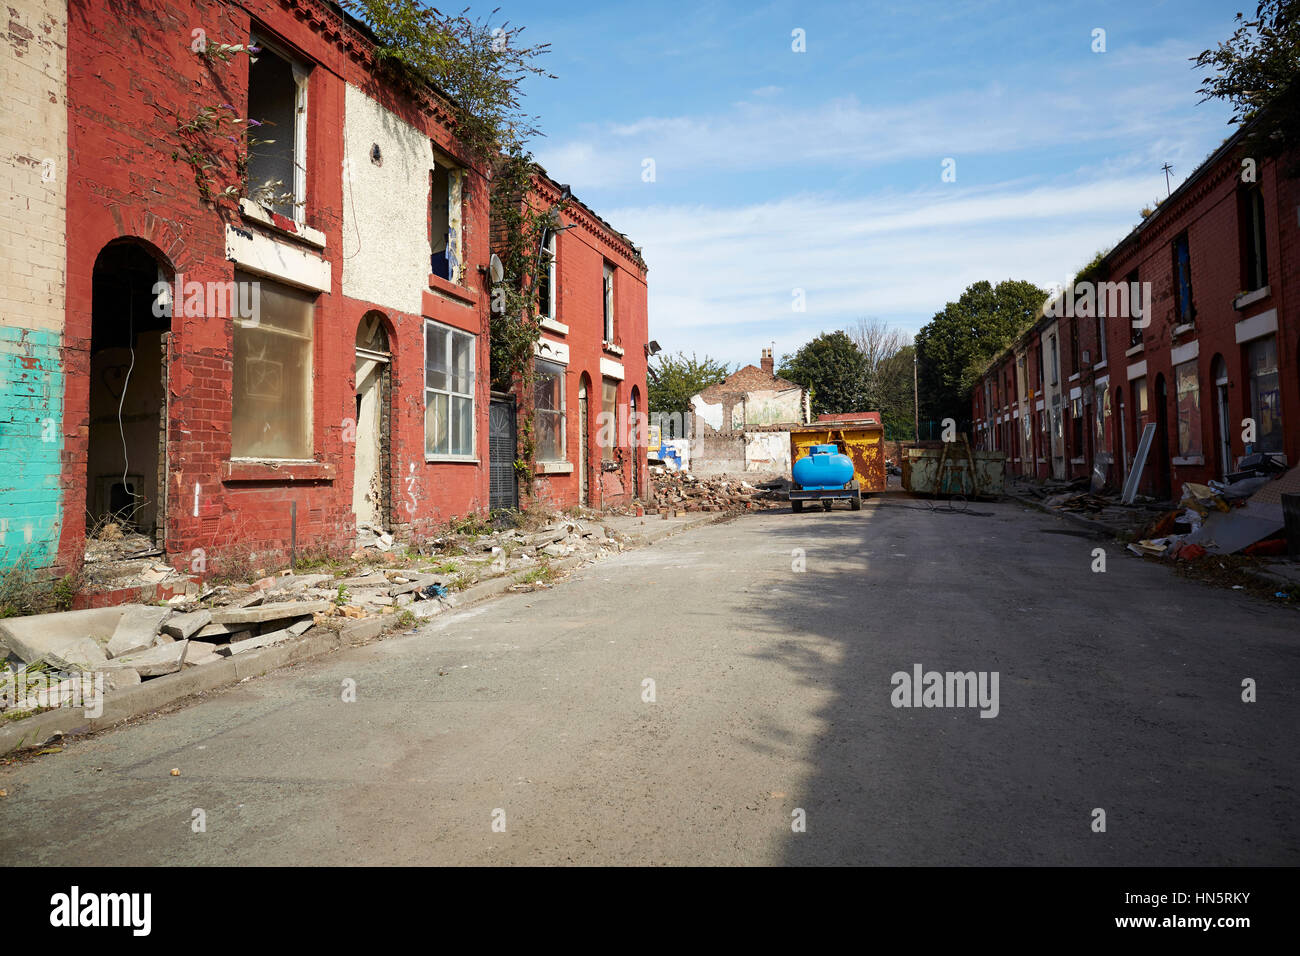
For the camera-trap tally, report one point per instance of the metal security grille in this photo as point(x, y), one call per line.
point(503, 490)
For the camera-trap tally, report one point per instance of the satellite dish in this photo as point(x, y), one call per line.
point(495, 269)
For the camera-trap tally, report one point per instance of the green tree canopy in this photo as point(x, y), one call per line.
point(673, 379)
point(964, 335)
point(1255, 70)
point(833, 369)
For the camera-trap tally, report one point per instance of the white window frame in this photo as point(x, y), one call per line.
point(432, 326)
point(608, 281)
point(561, 370)
point(301, 74)
point(551, 251)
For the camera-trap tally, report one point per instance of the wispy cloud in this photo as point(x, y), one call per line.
point(724, 277)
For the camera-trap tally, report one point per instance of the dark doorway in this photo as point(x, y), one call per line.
point(584, 443)
point(1163, 475)
point(503, 483)
point(126, 458)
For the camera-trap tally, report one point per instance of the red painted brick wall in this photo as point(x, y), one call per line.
point(581, 253)
point(130, 67)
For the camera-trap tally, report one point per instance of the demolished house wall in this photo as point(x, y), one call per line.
point(129, 183)
point(33, 144)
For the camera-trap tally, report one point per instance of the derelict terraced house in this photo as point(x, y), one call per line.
point(313, 356)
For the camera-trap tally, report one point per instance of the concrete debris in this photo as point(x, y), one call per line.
point(267, 612)
point(187, 625)
point(156, 661)
point(137, 629)
point(680, 492)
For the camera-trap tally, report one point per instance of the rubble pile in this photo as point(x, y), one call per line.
point(1220, 518)
point(680, 492)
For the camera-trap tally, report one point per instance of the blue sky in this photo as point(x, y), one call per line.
point(821, 171)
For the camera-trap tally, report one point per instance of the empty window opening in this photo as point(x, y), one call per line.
point(277, 100)
point(609, 302)
point(1254, 246)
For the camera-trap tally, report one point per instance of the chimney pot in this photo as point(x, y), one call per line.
point(766, 361)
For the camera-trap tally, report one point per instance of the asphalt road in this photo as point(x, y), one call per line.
point(772, 694)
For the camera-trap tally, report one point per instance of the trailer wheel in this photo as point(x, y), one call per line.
point(796, 507)
point(855, 504)
point(826, 504)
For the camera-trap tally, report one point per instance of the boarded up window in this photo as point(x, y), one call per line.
point(271, 398)
point(609, 415)
point(448, 391)
point(549, 405)
point(1189, 410)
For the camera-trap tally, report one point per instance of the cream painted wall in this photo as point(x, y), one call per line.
point(385, 207)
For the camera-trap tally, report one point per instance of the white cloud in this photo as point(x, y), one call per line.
point(721, 278)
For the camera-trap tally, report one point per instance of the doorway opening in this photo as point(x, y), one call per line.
point(584, 442)
point(126, 453)
point(371, 485)
point(1222, 419)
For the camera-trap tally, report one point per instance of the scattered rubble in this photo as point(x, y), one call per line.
point(680, 492)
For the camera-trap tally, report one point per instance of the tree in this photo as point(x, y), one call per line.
point(675, 378)
point(887, 381)
point(479, 67)
point(1255, 71)
point(833, 370)
point(964, 335)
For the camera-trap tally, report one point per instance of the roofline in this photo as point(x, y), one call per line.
point(631, 249)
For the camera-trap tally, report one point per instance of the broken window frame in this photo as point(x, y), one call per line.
point(462, 399)
point(1265, 395)
point(609, 405)
point(550, 371)
point(1184, 309)
point(1254, 240)
point(607, 279)
point(1187, 406)
point(301, 75)
point(449, 261)
point(263, 324)
point(546, 276)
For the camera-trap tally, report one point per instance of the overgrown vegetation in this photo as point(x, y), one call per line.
point(1255, 71)
point(27, 589)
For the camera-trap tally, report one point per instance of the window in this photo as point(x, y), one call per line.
point(1139, 387)
point(1076, 428)
point(1101, 334)
point(609, 302)
point(1265, 400)
point(1184, 311)
point(1254, 247)
point(448, 391)
point(1056, 366)
point(444, 222)
point(1039, 364)
point(271, 389)
point(277, 99)
point(1074, 345)
point(1187, 384)
point(609, 411)
point(546, 277)
point(1136, 319)
point(548, 392)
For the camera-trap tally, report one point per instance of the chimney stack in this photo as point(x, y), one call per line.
point(767, 361)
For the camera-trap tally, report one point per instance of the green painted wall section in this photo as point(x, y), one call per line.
point(31, 446)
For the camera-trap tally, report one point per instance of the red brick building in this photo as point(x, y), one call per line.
point(1191, 323)
point(588, 403)
point(245, 374)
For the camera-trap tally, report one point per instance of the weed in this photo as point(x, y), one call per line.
point(341, 598)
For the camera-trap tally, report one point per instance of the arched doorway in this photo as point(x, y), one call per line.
point(126, 451)
point(371, 494)
point(584, 441)
point(1222, 418)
